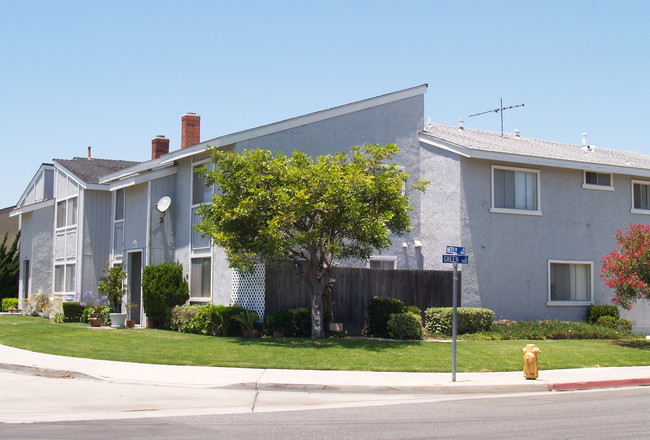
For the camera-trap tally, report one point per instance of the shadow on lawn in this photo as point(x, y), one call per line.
point(341, 343)
point(640, 344)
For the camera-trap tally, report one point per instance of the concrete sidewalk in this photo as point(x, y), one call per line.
point(18, 360)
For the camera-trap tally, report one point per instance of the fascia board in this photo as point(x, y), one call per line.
point(559, 163)
point(30, 208)
point(448, 146)
point(474, 153)
point(298, 121)
point(142, 178)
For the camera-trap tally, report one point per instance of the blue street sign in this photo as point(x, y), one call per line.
point(461, 259)
point(457, 250)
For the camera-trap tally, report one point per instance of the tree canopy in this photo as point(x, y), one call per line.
point(272, 208)
point(627, 268)
point(9, 267)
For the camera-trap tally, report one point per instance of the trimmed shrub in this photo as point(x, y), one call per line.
point(184, 319)
point(607, 321)
point(413, 309)
point(379, 311)
point(405, 325)
point(624, 324)
point(438, 320)
point(216, 320)
point(163, 287)
point(210, 319)
point(596, 311)
point(7, 303)
point(72, 311)
point(293, 322)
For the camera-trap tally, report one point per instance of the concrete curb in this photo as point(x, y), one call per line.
point(588, 385)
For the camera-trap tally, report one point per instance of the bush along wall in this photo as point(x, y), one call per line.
point(379, 311)
point(438, 320)
point(163, 288)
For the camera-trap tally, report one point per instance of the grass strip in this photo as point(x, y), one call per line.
point(167, 347)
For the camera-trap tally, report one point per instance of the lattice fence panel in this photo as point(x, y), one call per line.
point(248, 290)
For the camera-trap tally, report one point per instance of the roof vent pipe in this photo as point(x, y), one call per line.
point(584, 139)
point(516, 132)
point(461, 124)
point(89, 156)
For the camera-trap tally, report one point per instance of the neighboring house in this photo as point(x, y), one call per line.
point(535, 217)
point(64, 216)
point(8, 225)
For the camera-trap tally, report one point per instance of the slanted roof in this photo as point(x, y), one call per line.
point(310, 118)
point(90, 170)
point(511, 148)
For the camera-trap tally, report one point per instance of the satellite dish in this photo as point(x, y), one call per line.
point(163, 204)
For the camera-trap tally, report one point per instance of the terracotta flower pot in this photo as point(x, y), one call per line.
point(130, 323)
point(95, 322)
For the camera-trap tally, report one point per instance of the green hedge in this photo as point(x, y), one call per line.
point(379, 311)
point(294, 322)
point(405, 325)
point(210, 319)
point(72, 311)
point(438, 320)
point(596, 311)
point(163, 288)
point(9, 302)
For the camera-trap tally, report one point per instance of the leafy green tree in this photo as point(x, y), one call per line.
point(113, 287)
point(274, 208)
point(9, 267)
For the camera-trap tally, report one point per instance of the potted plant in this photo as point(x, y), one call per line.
point(130, 322)
point(113, 287)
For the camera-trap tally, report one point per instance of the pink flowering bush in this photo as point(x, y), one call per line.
point(627, 268)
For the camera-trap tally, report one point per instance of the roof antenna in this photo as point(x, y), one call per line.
point(497, 110)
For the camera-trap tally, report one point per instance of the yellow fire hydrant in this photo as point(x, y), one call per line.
point(530, 361)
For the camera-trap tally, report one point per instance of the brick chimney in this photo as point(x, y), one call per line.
point(190, 130)
point(159, 146)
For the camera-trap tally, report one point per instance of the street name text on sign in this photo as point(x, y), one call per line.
point(456, 250)
point(461, 259)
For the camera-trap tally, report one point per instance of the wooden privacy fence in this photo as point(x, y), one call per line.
point(354, 287)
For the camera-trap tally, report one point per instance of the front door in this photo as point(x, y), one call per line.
point(134, 268)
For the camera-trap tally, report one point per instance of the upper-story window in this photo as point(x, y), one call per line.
point(201, 193)
point(595, 180)
point(640, 197)
point(515, 191)
point(66, 213)
point(118, 224)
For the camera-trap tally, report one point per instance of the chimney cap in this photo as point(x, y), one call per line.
point(160, 136)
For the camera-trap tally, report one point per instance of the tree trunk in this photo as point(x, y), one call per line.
point(317, 329)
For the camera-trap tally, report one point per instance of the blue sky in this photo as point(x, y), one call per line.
point(113, 75)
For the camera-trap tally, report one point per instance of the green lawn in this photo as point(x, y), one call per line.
point(166, 347)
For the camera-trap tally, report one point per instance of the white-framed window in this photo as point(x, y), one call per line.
point(379, 262)
point(118, 223)
point(640, 197)
point(596, 180)
point(200, 278)
point(570, 283)
point(515, 191)
point(66, 213)
point(64, 277)
point(201, 194)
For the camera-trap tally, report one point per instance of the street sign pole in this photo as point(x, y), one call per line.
point(454, 323)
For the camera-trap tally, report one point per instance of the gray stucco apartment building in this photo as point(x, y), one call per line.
point(535, 217)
